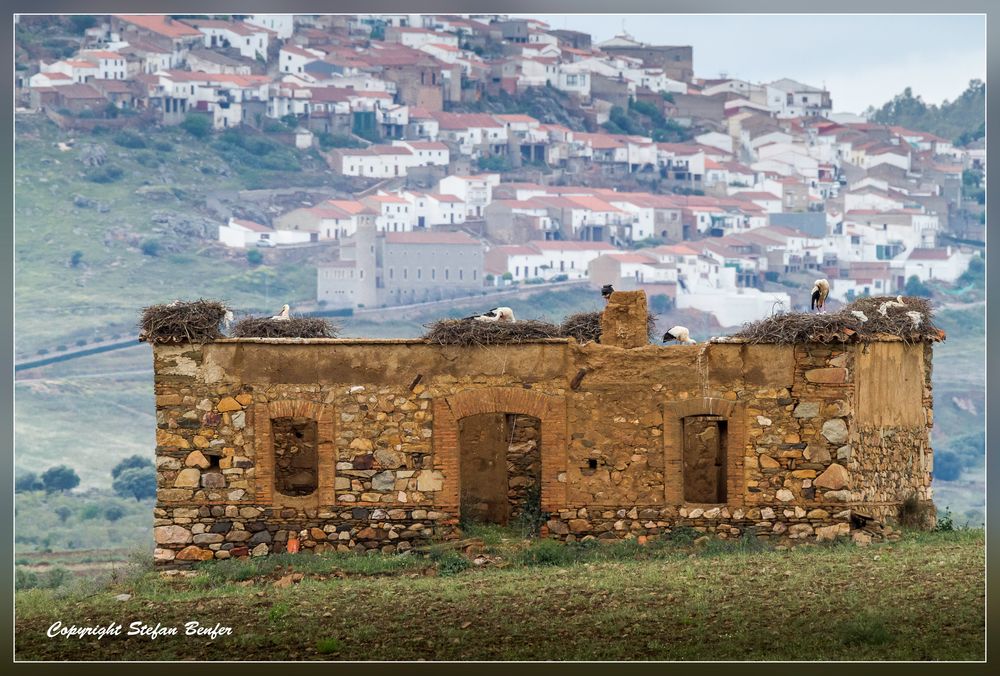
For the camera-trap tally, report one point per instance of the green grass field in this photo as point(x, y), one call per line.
point(57, 303)
point(920, 598)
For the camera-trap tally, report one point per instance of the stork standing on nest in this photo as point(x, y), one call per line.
point(820, 290)
point(680, 334)
point(283, 315)
point(497, 314)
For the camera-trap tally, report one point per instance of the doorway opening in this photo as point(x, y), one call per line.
point(705, 441)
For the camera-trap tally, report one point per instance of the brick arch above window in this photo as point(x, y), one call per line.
point(674, 413)
point(326, 456)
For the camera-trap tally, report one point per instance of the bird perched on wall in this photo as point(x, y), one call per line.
point(606, 291)
point(283, 315)
point(497, 314)
point(820, 290)
point(883, 309)
point(680, 334)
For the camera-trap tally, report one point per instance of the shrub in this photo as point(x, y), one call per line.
point(328, 141)
point(914, 287)
point(548, 553)
point(198, 126)
point(449, 562)
point(864, 630)
point(255, 257)
point(63, 512)
point(26, 482)
point(150, 247)
point(945, 522)
point(148, 160)
point(105, 174)
point(163, 146)
point(129, 139)
point(327, 646)
point(75, 259)
point(90, 511)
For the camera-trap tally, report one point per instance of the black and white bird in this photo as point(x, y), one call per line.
point(680, 334)
point(497, 314)
point(283, 315)
point(883, 309)
point(820, 290)
point(606, 291)
point(227, 319)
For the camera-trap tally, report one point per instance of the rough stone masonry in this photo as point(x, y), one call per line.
point(360, 444)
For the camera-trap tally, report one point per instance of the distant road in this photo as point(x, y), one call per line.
point(75, 352)
point(311, 309)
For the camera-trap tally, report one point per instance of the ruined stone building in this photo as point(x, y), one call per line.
point(360, 443)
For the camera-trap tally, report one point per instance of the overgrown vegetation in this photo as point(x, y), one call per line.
point(961, 121)
point(544, 600)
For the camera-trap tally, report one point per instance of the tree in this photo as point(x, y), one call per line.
point(114, 512)
point(198, 126)
point(29, 481)
point(75, 259)
point(81, 22)
point(136, 482)
point(128, 463)
point(255, 257)
point(914, 287)
point(659, 303)
point(60, 478)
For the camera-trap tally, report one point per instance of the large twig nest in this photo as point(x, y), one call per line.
point(182, 322)
point(471, 332)
point(865, 320)
point(295, 327)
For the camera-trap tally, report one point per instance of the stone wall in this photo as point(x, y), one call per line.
point(804, 438)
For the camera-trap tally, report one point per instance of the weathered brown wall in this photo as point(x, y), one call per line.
point(799, 454)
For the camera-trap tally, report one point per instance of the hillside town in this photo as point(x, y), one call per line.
point(474, 153)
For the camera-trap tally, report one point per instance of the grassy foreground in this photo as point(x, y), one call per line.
point(919, 598)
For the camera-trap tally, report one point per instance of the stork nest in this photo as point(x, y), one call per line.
point(295, 327)
point(585, 327)
point(474, 333)
point(844, 327)
point(187, 322)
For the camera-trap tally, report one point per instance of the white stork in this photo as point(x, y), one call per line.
point(497, 314)
point(227, 319)
point(883, 309)
point(680, 334)
point(820, 290)
point(283, 315)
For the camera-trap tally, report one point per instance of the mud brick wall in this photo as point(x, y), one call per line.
point(808, 435)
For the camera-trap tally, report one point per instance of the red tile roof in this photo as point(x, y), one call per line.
point(929, 255)
point(160, 24)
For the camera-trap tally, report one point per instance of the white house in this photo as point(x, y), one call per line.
point(240, 233)
point(476, 192)
point(395, 213)
point(426, 153)
point(110, 65)
point(946, 264)
point(293, 59)
point(250, 40)
point(282, 24)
